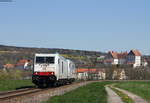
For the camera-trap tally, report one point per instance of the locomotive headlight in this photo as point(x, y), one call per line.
point(36, 73)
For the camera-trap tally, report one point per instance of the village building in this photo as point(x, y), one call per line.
point(8, 66)
point(144, 62)
point(82, 73)
point(134, 58)
point(112, 58)
point(122, 58)
point(115, 58)
point(101, 74)
point(24, 64)
point(119, 74)
point(91, 74)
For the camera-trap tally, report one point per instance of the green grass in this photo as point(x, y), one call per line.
point(140, 88)
point(125, 98)
point(91, 93)
point(6, 85)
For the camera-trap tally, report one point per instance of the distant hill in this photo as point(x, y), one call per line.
point(12, 54)
point(50, 50)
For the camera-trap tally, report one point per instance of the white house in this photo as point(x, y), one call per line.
point(116, 58)
point(119, 74)
point(91, 73)
point(102, 74)
point(112, 58)
point(82, 75)
point(144, 62)
point(134, 58)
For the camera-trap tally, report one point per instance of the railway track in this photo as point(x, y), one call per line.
point(23, 92)
point(34, 95)
point(17, 93)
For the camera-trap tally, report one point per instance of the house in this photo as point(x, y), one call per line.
point(119, 74)
point(115, 58)
point(122, 58)
point(101, 74)
point(24, 64)
point(8, 66)
point(112, 58)
point(91, 73)
point(144, 62)
point(83, 73)
point(134, 58)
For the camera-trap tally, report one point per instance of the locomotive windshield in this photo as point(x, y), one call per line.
point(49, 60)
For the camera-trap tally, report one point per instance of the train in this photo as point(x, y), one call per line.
point(52, 70)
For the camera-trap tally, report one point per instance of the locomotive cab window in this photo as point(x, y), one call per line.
point(39, 59)
point(50, 60)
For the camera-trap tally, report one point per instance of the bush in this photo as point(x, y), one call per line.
point(10, 74)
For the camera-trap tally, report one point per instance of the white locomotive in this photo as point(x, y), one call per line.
point(52, 69)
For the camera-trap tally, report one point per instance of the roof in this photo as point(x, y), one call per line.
point(135, 52)
point(91, 70)
point(22, 62)
point(114, 54)
point(122, 55)
point(9, 66)
point(108, 60)
point(81, 70)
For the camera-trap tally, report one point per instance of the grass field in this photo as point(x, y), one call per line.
point(140, 88)
point(91, 93)
point(6, 85)
point(125, 98)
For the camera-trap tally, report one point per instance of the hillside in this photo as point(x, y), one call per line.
point(50, 50)
point(12, 54)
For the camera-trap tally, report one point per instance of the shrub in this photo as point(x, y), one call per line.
point(10, 74)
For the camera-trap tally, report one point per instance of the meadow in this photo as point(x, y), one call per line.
point(91, 93)
point(140, 88)
point(6, 85)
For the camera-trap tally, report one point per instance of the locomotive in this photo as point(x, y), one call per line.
point(52, 70)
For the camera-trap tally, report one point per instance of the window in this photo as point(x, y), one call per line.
point(58, 61)
point(62, 67)
point(39, 59)
point(50, 60)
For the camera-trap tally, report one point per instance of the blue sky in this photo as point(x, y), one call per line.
point(98, 25)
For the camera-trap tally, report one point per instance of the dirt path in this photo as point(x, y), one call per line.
point(135, 98)
point(112, 96)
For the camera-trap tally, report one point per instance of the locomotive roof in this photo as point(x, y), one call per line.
point(47, 54)
point(56, 54)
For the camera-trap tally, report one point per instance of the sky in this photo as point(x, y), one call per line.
point(97, 25)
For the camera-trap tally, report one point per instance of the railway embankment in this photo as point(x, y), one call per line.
point(39, 96)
